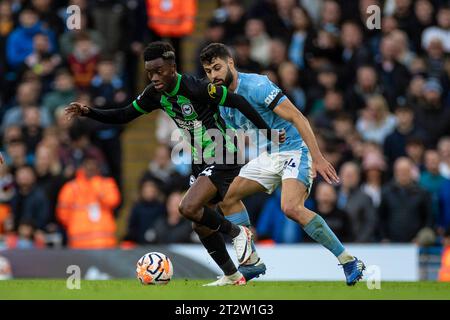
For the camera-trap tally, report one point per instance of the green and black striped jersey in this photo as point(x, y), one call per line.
point(193, 105)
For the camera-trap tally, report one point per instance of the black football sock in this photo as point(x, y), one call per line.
point(215, 245)
point(217, 222)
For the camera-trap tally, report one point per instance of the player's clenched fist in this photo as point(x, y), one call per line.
point(76, 109)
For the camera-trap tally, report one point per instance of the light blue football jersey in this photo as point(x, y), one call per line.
point(264, 96)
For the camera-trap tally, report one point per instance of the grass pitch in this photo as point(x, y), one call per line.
point(193, 290)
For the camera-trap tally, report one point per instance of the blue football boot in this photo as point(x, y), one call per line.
point(251, 271)
point(353, 271)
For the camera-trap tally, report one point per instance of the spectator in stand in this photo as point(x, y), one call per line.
point(366, 86)
point(107, 88)
point(108, 91)
point(83, 60)
point(214, 33)
point(441, 31)
point(16, 155)
point(432, 181)
point(146, 212)
point(326, 80)
point(32, 129)
point(41, 61)
point(232, 14)
point(354, 53)
point(415, 150)
point(337, 219)
point(7, 25)
point(20, 42)
point(443, 222)
point(333, 106)
point(7, 191)
point(393, 75)
point(415, 92)
point(435, 58)
point(85, 208)
point(356, 203)
point(68, 39)
point(403, 55)
point(395, 143)
point(255, 30)
point(431, 115)
point(162, 167)
point(404, 14)
point(12, 133)
point(7, 188)
point(289, 82)
point(330, 14)
point(424, 18)
point(376, 122)
point(80, 147)
point(173, 228)
point(29, 205)
point(302, 25)
point(278, 53)
point(50, 179)
point(405, 207)
point(242, 57)
point(27, 95)
point(62, 93)
point(374, 168)
point(46, 9)
point(444, 152)
point(278, 19)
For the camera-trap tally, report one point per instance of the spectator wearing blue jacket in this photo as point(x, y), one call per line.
point(444, 204)
point(20, 42)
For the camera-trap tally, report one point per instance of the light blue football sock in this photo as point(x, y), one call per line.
point(240, 218)
point(318, 230)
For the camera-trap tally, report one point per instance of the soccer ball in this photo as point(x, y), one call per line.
point(154, 268)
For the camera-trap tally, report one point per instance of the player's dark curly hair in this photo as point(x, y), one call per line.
point(159, 49)
point(213, 51)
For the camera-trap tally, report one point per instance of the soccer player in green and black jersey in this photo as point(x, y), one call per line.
point(193, 105)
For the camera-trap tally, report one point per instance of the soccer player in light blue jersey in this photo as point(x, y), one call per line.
point(293, 164)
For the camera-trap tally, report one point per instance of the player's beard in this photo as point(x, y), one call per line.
point(228, 78)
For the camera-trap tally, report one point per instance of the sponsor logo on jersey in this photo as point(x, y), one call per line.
point(271, 96)
point(188, 125)
point(212, 90)
point(187, 109)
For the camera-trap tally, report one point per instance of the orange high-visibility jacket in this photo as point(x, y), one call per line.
point(444, 272)
point(85, 209)
point(171, 18)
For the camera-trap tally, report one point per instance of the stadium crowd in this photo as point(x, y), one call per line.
point(378, 100)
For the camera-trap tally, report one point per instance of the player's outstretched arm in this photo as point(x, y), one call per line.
point(289, 112)
point(239, 102)
point(113, 116)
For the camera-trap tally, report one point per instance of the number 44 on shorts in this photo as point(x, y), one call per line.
point(290, 163)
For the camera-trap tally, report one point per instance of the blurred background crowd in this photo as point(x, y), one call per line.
point(378, 101)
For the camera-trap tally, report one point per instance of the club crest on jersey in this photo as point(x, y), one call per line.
point(187, 109)
point(212, 90)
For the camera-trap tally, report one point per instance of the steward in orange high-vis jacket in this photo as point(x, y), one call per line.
point(85, 208)
point(171, 18)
